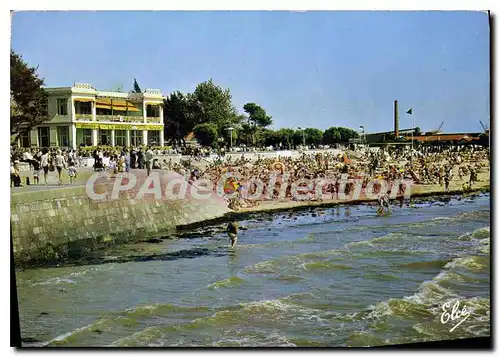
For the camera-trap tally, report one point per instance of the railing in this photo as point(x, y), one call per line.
point(83, 116)
point(153, 119)
point(120, 118)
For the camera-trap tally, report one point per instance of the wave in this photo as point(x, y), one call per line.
point(477, 324)
point(286, 262)
point(324, 265)
point(226, 283)
point(478, 234)
point(441, 218)
point(58, 339)
point(124, 321)
point(398, 308)
point(68, 278)
point(55, 281)
point(246, 324)
point(162, 309)
point(439, 263)
point(473, 263)
point(254, 340)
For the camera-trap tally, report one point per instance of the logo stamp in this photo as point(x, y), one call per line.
point(455, 314)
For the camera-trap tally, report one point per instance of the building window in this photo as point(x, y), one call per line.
point(83, 107)
point(25, 140)
point(62, 106)
point(136, 137)
point(104, 137)
point(87, 137)
point(153, 111)
point(120, 138)
point(63, 136)
point(84, 137)
point(154, 137)
point(44, 136)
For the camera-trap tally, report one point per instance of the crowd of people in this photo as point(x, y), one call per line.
point(41, 162)
point(425, 166)
point(428, 166)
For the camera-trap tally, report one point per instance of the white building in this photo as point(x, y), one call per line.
point(81, 115)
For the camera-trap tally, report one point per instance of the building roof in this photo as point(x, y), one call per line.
point(392, 131)
point(444, 137)
point(87, 89)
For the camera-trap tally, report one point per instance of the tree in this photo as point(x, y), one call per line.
point(177, 119)
point(257, 118)
point(298, 138)
point(211, 103)
point(335, 135)
point(136, 89)
point(331, 136)
point(257, 115)
point(313, 136)
point(269, 137)
point(28, 98)
point(285, 136)
point(206, 133)
point(346, 134)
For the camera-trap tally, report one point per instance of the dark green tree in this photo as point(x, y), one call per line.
point(137, 89)
point(331, 136)
point(257, 115)
point(285, 136)
point(269, 137)
point(346, 134)
point(27, 97)
point(206, 133)
point(177, 119)
point(211, 103)
point(313, 136)
point(297, 138)
point(257, 118)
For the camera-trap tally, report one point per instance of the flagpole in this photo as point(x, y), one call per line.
point(410, 111)
point(412, 131)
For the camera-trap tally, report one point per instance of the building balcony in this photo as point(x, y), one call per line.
point(120, 118)
point(83, 117)
point(153, 119)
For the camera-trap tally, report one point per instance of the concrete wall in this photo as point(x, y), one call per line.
point(51, 225)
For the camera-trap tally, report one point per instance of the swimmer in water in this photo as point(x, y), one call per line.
point(383, 202)
point(232, 232)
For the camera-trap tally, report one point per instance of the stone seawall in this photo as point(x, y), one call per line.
point(49, 226)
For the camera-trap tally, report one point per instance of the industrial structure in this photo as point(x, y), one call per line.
point(414, 136)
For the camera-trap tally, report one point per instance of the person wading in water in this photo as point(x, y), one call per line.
point(232, 232)
point(383, 202)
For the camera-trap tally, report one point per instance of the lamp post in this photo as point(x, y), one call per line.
point(362, 128)
point(303, 136)
point(231, 135)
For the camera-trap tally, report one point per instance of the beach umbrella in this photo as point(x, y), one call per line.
point(278, 166)
point(230, 186)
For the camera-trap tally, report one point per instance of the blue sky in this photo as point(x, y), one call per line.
point(312, 69)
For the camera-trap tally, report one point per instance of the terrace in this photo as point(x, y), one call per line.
point(116, 110)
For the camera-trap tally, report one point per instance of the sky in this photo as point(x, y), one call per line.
point(306, 69)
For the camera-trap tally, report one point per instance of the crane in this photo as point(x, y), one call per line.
point(436, 131)
point(485, 128)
